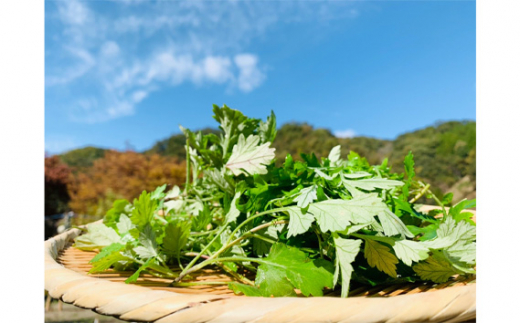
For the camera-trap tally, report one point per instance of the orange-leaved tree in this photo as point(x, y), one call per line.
point(121, 175)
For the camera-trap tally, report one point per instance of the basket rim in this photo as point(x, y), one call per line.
point(137, 303)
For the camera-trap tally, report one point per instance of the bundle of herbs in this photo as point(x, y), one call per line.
point(302, 227)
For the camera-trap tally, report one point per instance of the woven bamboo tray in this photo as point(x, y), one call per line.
point(151, 300)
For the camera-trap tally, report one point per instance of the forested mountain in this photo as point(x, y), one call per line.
point(445, 157)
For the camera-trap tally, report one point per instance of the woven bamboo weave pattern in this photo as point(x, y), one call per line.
point(152, 300)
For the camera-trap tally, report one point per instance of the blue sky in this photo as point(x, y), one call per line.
point(127, 73)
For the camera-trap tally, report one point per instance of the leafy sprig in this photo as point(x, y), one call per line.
point(304, 227)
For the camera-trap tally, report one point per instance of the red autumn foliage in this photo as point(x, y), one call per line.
point(122, 175)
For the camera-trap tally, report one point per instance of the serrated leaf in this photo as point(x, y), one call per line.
point(409, 166)
point(267, 130)
point(233, 212)
point(461, 231)
point(112, 216)
point(287, 268)
point(98, 236)
point(158, 193)
point(334, 155)
point(124, 225)
point(306, 196)
point(346, 252)
point(135, 276)
point(323, 175)
point(114, 247)
point(248, 157)
point(409, 251)
point(370, 184)
point(247, 290)
point(299, 222)
point(356, 175)
point(380, 256)
point(463, 251)
point(106, 262)
point(392, 225)
point(148, 248)
point(144, 209)
point(436, 270)
point(176, 235)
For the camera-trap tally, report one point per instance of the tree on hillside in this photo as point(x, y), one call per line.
point(444, 153)
point(57, 180)
point(297, 138)
point(122, 175)
point(82, 158)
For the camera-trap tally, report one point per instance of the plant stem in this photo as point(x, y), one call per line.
point(257, 236)
point(160, 218)
point(189, 269)
point(197, 284)
point(194, 260)
point(319, 241)
point(254, 217)
point(187, 187)
point(421, 193)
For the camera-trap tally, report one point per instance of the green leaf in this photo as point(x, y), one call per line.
point(246, 290)
point(148, 248)
point(380, 256)
point(106, 262)
point(114, 247)
point(337, 215)
point(409, 166)
point(286, 268)
point(98, 236)
point(306, 196)
point(133, 278)
point(267, 130)
point(346, 252)
point(299, 222)
point(158, 193)
point(334, 156)
point(434, 269)
point(112, 216)
point(261, 247)
point(392, 225)
point(144, 209)
point(176, 235)
point(249, 158)
point(370, 184)
point(233, 212)
point(462, 205)
point(409, 251)
point(463, 251)
point(124, 225)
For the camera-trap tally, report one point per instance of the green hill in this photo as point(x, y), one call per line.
point(445, 153)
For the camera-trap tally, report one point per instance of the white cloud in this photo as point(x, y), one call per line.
point(250, 76)
point(82, 62)
point(123, 55)
point(73, 12)
point(347, 133)
point(139, 96)
point(110, 49)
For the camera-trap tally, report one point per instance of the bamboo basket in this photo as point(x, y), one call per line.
point(151, 300)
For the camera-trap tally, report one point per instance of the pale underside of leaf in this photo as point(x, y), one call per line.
point(298, 221)
point(306, 196)
point(346, 252)
point(249, 158)
point(410, 251)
